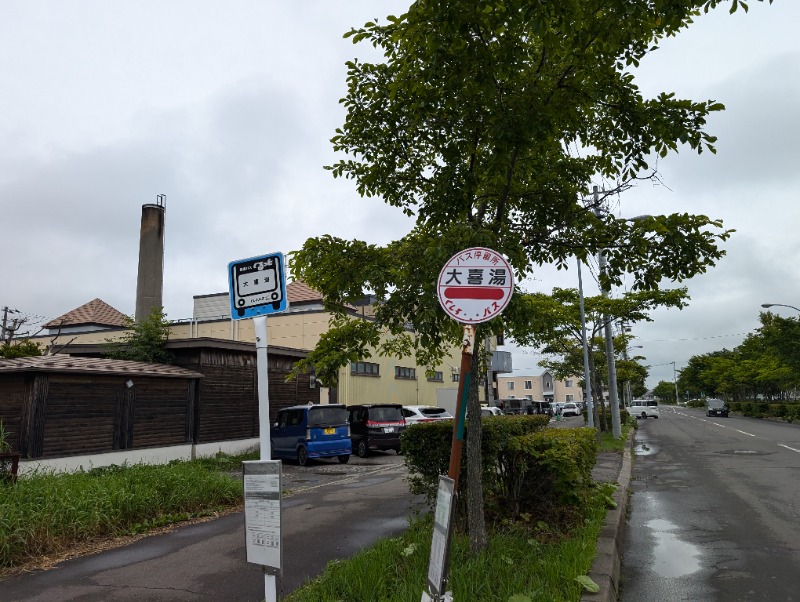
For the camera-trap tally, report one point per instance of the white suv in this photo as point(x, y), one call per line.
point(643, 408)
point(570, 409)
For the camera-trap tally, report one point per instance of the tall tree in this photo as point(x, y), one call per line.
point(487, 121)
point(558, 329)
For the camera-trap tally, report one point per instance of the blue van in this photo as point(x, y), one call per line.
point(311, 431)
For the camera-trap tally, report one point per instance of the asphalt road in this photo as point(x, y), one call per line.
point(331, 511)
point(715, 510)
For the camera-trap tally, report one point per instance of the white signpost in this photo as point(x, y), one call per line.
point(474, 286)
point(258, 288)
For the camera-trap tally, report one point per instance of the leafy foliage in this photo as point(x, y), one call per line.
point(487, 121)
point(549, 472)
point(527, 469)
point(767, 363)
point(665, 390)
point(143, 341)
point(24, 348)
point(426, 447)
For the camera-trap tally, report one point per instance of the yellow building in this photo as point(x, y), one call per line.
point(374, 379)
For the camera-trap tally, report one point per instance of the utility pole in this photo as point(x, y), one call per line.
point(489, 373)
point(613, 398)
point(675, 382)
point(8, 331)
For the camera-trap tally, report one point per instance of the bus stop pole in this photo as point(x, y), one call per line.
point(461, 405)
point(260, 326)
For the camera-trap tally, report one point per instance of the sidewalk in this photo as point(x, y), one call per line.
point(611, 467)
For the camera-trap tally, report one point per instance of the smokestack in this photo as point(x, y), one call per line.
point(150, 281)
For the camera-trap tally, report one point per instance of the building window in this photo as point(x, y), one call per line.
point(436, 377)
point(408, 373)
point(569, 384)
point(510, 385)
point(570, 397)
point(528, 385)
point(365, 369)
point(312, 381)
point(455, 376)
point(529, 397)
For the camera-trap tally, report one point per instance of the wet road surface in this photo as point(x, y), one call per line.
point(715, 510)
point(329, 511)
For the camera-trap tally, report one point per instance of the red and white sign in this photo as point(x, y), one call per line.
point(475, 285)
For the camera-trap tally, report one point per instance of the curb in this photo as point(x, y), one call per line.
point(605, 570)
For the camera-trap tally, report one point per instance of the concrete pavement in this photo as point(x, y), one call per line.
point(611, 467)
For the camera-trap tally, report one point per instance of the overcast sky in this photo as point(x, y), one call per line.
point(228, 108)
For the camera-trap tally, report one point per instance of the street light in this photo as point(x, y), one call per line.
point(767, 305)
point(613, 396)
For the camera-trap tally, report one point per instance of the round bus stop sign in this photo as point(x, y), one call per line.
point(475, 285)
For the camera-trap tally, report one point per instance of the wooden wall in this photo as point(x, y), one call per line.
point(53, 414)
point(12, 396)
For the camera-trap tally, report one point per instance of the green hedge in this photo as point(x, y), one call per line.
point(528, 470)
point(427, 450)
point(548, 473)
point(788, 410)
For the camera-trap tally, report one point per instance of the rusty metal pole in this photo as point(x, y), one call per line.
point(467, 346)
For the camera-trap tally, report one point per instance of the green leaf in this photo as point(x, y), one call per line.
point(588, 585)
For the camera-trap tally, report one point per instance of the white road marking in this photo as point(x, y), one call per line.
point(743, 433)
point(791, 448)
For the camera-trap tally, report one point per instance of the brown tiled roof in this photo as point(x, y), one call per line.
point(299, 292)
point(94, 312)
point(88, 365)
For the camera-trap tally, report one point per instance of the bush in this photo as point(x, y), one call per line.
point(427, 450)
point(777, 409)
point(528, 471)
point(547, 474)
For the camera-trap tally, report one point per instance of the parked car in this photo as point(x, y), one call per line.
point(570, 409)
point(311, 431)
point(491, 411)
point(518, 406)
point(376, 427)
point(415, 414)
point(716, 407)
point(642, 408)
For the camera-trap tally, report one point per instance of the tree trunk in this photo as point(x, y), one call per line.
point(475, 517)
point(597, 393)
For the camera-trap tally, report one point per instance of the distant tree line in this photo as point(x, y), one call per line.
point(766, 365)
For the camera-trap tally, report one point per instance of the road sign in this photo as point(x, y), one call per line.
point(475, 285)
point(257, 286)
point(262, 512)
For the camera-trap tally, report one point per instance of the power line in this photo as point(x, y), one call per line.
point(718, 336)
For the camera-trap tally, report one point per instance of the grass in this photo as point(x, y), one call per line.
point(536, 565)
point(46, 513)
point(609, 443)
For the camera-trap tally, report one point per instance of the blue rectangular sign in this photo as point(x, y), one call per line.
point(257, 286)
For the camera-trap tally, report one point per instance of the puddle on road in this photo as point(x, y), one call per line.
point(672, 557)
point(645, 448)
